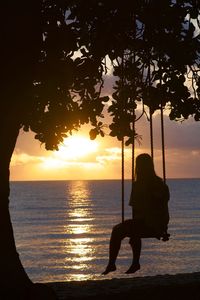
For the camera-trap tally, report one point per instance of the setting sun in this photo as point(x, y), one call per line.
point(71, 150)
point(75, 147)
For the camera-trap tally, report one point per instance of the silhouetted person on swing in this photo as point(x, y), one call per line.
point(149, 201)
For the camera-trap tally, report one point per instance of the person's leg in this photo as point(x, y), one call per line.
point(139, 230)
point(136, 245)
point(119, 232)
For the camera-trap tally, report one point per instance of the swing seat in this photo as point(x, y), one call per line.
point(164, 236)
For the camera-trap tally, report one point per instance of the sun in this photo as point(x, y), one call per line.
point(76, 147)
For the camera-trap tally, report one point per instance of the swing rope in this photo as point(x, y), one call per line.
point(122, 145)
point(133, 151)
point(163, 143)
point(152, 151)
point(165, 237)
point(122, 188)
point(150, 114)
point(162, 136)
point(151, 133)
point(133, 139)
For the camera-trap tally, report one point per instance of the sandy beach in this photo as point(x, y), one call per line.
point(180, 286)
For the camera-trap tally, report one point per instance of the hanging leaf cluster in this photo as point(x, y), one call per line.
point(154, 50)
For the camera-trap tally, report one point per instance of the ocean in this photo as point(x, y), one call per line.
point(62, 229)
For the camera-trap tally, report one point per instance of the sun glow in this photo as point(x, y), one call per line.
point(75, 149)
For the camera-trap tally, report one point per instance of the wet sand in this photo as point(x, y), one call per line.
point(180, 286)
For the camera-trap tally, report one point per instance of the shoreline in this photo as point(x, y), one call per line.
point(179, 286)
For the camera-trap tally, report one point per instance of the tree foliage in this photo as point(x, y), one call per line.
point(154, 49)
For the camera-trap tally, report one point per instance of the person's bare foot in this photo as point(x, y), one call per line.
point(133, 268)
point(109, 268)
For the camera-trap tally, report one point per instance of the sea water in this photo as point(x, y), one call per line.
point(62, 229)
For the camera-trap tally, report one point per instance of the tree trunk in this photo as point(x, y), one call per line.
point(14, 282)
point(21, 36)
point(12, 274)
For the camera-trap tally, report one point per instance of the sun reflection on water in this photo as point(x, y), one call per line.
point(78, 250)
point(79, 228)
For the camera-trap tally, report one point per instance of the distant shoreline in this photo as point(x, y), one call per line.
point(127, 179)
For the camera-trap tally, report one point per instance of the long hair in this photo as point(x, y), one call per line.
point(144, 169)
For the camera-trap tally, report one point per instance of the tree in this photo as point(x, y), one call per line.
point(53, 70)
point(154, 48)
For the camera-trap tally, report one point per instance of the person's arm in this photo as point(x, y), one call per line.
point(131, 200)
point(167, 193)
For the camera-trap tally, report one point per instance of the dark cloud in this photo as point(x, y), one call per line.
point(183, 135)
point(178, 135)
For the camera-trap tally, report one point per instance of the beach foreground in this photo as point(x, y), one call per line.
point(180, 286)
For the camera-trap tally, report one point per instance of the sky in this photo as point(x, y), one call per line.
point(79, 158)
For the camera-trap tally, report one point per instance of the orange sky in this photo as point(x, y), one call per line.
point(81, 158)
point(103, 159)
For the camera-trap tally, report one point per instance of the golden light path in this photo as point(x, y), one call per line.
point(77, 248)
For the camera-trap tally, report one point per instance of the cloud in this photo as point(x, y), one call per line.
point(27, 143)
point(113, 154)
point(110, 154)
point(180, 135)
point(184, 163)
point(183, 135)
point(24, 158)
point(182, 148)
